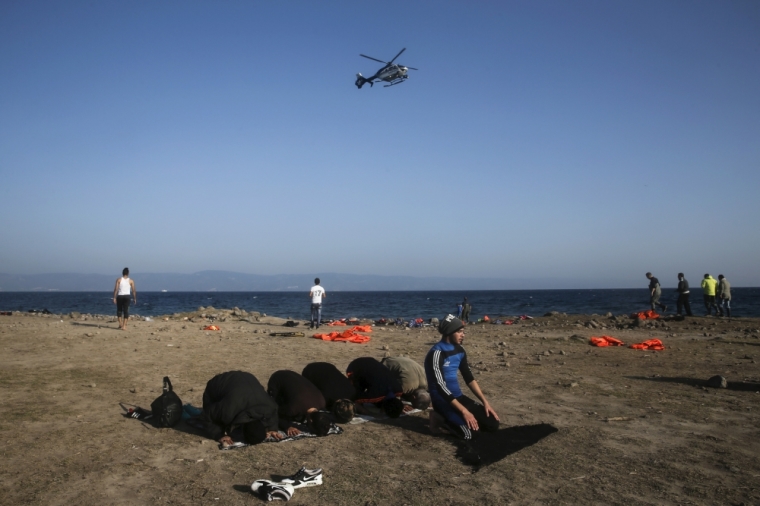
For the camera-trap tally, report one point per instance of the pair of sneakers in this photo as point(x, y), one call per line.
point(283, 490)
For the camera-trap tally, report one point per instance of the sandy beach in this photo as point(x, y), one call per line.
point(580, 424)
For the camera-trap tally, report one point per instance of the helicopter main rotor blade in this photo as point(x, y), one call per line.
point(410, 68)
point(399, 54)
point(381, 61)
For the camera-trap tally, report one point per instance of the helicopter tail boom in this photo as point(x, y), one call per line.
point(361, 81)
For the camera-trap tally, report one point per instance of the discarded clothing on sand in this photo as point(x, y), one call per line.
point(652, 344)
point(606, 341)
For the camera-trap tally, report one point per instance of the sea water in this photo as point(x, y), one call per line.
point(403, 304)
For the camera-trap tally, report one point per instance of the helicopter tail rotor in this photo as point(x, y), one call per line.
point(361, 80)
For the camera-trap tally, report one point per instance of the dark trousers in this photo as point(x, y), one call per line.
point(710, 303)
point(486, 423)
point(316, 315)
point(683, 303)
point(122, 306)
point(654, 300)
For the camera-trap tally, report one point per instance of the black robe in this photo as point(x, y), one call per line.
point(330, 381)
point(373, 381)
point(236, 398)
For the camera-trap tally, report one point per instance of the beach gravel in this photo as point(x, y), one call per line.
point(631, 427)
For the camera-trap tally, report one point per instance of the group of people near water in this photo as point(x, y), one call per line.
point(322, 393)
point(716, 295)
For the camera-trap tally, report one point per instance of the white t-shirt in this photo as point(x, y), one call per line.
point(316, 294)
point(124, 288)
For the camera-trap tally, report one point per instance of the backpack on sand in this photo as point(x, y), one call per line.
point(167, 408)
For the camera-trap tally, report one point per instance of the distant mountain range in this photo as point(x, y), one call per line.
point(224, 281)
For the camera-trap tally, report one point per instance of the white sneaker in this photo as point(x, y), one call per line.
point(304, 478)
point(271, 491)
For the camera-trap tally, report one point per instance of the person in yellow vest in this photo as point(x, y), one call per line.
point(708, 290)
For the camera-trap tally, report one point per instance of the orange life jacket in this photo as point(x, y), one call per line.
point(211, 327)
point(646, 315)
point(652, 344)
point(606, 341)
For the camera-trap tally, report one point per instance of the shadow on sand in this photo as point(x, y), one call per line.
point(740, 386)
point(491, 446)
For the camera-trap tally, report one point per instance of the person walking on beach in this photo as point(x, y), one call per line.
point(683, 295)
point(466, 308)
point(460, 307)
point(121, 295)
point(723, 296)
point(317, 293)
point(655, 292)
point(708, 289)
point(451, 408)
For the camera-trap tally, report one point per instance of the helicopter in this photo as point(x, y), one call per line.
point(392, 73)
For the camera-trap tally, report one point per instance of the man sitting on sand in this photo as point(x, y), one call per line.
point(337, 390)
point(237, 399)
point(375, 385)
point(411, 375)
point(460, 413)
point(298, 400)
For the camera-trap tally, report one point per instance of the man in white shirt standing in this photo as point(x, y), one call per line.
point(121, 295)
point(317, 293)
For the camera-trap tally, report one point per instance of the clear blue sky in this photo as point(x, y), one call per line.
point(550, 139)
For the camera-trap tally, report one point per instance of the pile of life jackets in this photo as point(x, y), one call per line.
point(651, 344)
point(351, 335)
point(645, 315)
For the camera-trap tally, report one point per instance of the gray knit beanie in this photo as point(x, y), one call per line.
point(449, 325)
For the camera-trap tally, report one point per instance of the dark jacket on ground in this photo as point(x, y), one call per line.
point(294, 395)
point(373, 381)
point(235, 398)
point(330, 381)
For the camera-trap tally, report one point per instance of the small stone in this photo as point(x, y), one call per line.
point(562, 352)
point(717, 382)
point(133, 390)
point(89, 334)
point(92, 385)
point(547, 353)
point(573, 384)
point(385, 355)
point(385, 347)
